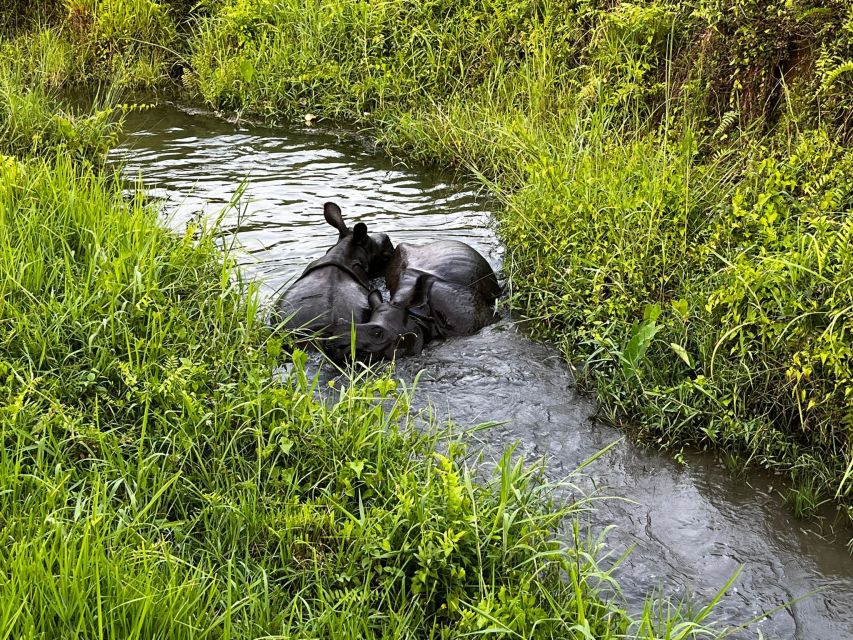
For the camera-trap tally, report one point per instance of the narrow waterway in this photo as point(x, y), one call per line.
point(691, 526)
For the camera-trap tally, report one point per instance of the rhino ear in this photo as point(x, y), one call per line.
point(420, 292)
point(332, 214)
point(413, 292)
point(374, 299)
point(359, 232)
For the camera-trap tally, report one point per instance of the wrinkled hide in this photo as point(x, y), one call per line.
point(437, 290)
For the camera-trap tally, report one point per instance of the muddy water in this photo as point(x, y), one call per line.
point(691, 526)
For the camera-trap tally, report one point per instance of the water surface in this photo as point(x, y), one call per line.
point(692, 525)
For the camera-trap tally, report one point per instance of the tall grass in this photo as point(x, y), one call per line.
point(32, 122)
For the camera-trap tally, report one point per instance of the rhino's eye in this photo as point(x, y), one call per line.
point(376, 332)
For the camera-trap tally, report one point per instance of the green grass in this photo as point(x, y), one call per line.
point(676, 218)
point(32, 121)
point(160, 476)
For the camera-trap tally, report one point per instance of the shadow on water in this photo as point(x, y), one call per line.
point(691, 525)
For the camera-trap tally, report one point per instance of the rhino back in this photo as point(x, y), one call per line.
point(457, 309)
point(446, 260)
point(321, 298)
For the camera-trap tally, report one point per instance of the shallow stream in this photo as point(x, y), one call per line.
point(692, 525)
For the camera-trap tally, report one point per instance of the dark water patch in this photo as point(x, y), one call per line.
point(691, 525)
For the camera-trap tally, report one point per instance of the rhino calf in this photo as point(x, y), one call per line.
point(333, 291)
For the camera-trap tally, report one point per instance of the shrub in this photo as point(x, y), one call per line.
point(32, 125)
point(129, 42)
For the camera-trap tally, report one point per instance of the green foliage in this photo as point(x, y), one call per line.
point(117, 43)
point(120, 23)
point(32, 124)
point(43, 61)
point(128, 42)
point(21, 14)
point(787, 290)
point(348, 58)
point(627, 47)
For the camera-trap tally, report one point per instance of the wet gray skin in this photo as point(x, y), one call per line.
point(336, 286)
point(692, 525)
point(440, 289)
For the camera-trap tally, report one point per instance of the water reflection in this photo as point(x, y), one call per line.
point(196, 164)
